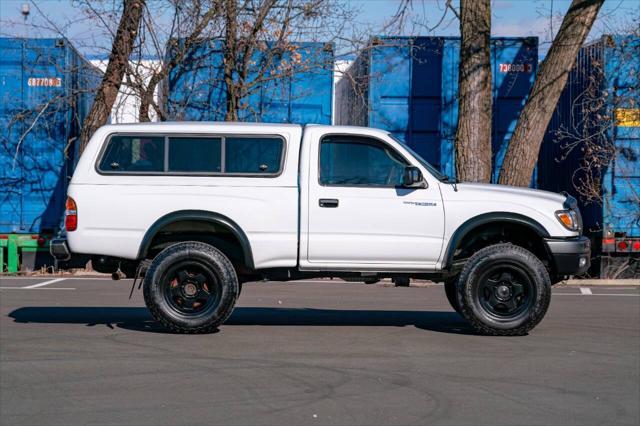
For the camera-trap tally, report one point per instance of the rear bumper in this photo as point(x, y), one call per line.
point(59, 249)
point(571, 256)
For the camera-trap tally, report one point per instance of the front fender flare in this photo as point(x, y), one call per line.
point(476, 221)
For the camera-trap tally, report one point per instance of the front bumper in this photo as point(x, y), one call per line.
point(571, 256)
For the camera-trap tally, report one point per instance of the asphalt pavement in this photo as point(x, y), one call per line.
point(77, 351)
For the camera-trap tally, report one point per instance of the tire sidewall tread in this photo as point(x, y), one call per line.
point(450, 289)
point(470, 274)
point(217, 261)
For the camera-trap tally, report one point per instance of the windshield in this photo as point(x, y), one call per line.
point(435, 172)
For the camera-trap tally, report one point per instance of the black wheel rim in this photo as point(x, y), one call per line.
point(505, 291)
point(191, 288)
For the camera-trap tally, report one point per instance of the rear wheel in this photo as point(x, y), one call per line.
point(504, 290)
point(191, 287)
point(402, 282)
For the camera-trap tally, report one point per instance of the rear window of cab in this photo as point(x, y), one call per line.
point(198, 155)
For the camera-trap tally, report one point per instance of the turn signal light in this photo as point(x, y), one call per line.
point(568, 218)
point(71, 215)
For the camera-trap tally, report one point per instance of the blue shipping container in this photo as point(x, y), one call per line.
point(592, 146)
point(409, 86)
point(196, 90)
point(46, 90)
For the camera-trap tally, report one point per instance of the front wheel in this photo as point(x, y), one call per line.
point(191, 287)
point(450, 289)
point(504, 290)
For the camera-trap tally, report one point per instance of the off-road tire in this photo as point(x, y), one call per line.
point(491, 257)
point(402, 282)
point(202, 254)
point(452, 293)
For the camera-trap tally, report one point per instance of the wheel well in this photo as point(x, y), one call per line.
point(215, 233)
point(501, 232)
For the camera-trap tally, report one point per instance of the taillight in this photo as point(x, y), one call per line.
point(71, 215)
point(636, 245)
point(608, 244)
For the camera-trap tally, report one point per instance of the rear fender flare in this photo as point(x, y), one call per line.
point(198, 215)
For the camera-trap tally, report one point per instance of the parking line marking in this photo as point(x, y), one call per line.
point(68, 277)
point(586, 291)
point(45, 283)
point(42, 288)
point(600, 294)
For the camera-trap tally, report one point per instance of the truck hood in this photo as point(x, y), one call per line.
point(493, 190)
point(476, 199)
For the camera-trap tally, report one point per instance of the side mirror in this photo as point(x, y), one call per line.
point(412, 177)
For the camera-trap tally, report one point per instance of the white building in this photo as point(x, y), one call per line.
point(127, 106)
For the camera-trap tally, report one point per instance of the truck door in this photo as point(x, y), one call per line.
point(360, 214)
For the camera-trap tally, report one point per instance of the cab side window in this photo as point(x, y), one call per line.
point(359, 161)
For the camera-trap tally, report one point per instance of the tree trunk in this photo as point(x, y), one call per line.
point(230, 58)
point(145, 103)
point(120, 50)
point(524, 147)
point(473, 136)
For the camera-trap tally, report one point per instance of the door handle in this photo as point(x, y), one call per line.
point(328, 202)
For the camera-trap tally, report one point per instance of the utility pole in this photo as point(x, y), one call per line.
point(25, 14)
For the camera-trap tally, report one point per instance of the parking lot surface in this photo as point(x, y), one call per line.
point(77, 351)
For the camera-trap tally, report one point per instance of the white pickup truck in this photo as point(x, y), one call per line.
point(200, 208)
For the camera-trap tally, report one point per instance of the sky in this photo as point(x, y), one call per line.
point(509, 18)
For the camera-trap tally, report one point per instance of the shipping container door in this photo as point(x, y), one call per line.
point(449, 99)
point(89, 81)
point(560, 164)
point(622, 86)
point(514, 66)
point(426, 101)
point(196, 87)
point(389, 86)
point(47, 85)
point(11, 108)
point(270, 100)
point(311, 85)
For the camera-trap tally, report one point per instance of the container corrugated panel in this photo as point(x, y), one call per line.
point(197, 91)
point(597, 117)
point(352, 94)
point(45, 91)
point(409, 86)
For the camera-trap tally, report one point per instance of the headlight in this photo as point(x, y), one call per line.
point(569, 219)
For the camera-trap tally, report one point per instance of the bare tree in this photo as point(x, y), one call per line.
point(260, 45)
point(197, 18)
point(524, 146)
point(118, 62)
point(253, 47)
point(473, 135)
